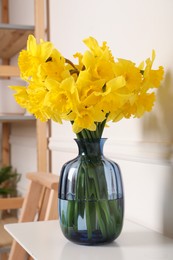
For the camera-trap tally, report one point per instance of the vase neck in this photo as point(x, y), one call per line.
point(90, 147)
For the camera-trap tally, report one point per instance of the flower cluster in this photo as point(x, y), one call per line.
point(93, 90)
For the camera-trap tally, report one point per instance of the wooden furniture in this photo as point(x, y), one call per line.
point(44, 240)
point(13, 38)
point(5, 239)
point(40, 204)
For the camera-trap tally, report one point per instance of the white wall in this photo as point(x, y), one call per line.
point(143, 148)
point(21, 12)
point(23, 151)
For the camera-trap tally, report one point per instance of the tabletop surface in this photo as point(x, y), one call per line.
point(45, 241)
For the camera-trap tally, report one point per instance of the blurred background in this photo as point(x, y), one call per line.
point(141, 147)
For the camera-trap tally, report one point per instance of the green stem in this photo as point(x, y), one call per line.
point(88, 215)
point(93, 173)
point(71, 63)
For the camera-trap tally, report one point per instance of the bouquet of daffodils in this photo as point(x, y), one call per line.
point(88, 93)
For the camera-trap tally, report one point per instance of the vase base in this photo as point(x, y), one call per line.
point(81, 238)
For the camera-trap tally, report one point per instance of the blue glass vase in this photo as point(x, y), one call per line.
point(91, 201)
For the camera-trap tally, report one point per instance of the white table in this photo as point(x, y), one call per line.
point(44, 241)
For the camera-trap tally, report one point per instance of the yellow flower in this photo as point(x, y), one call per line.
point(152, 78)
point(114, 98)
point(141, 103)
point(98, 51)
point(98, 60)
point(87, 119)
point(88, 90)
point(59, 100)
point(30, 59)
point(36, 96)
point(55, 67)
point(131, 74)
point(21, 95)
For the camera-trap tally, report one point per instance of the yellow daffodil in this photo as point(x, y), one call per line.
point(98, 51)
point(30, 59)
point(152, 78)
point(130, 72)
point(21, 95)
point(85, 120)
point(98, 60)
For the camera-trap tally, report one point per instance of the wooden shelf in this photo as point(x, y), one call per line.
point(13, 39)
point(9, 71)
point(15, 118)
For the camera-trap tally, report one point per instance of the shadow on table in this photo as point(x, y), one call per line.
point(80, 252)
